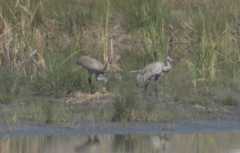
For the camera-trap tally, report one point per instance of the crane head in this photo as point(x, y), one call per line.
point(169, 59)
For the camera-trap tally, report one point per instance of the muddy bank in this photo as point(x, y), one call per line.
point(109, 108)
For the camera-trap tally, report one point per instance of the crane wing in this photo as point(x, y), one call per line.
point(90, 64)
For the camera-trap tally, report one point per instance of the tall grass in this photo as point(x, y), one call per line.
point(42, 39)
point(212, 31)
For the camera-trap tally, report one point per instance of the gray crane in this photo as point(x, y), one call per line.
point(94, 67)
point(153, 71)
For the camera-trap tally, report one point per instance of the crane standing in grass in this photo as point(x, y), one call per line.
point(94, 67)
point(153, 71)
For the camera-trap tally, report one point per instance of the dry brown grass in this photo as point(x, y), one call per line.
point(43, 37)
point(78, 97)
point(2, 26)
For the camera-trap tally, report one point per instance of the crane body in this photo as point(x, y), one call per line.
point(153, 71)
point(94, 67)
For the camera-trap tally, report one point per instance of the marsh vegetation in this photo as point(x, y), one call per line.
point(41, 40)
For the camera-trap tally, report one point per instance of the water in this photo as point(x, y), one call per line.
point(198, 137)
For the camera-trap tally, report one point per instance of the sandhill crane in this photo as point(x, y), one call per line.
point(94, 67)
point(153, 71)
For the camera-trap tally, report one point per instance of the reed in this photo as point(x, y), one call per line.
point(41, 39)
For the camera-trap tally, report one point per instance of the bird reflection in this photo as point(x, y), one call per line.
point(91, 144)
point(125, 143)
point(161, 142)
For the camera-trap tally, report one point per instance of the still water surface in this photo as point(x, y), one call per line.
point(206, 140)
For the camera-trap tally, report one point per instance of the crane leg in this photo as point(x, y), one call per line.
point(156, 78)
point(90, 83)
point(146, 86)
point(156, 90)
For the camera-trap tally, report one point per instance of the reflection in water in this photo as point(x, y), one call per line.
point(90, 145)
point(162, 143)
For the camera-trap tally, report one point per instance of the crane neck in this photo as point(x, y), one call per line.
point(109, 56)
point(105, 66)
